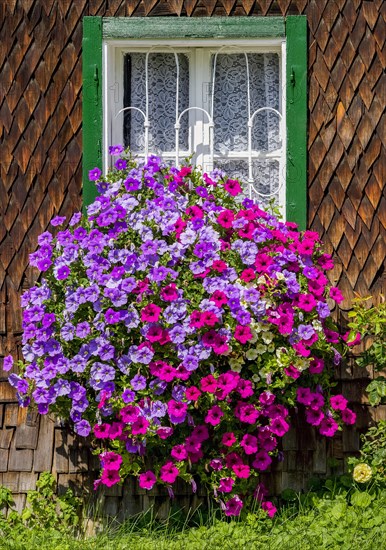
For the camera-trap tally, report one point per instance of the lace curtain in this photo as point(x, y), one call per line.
point(230, 109)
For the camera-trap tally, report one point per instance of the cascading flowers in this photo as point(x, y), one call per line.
point(178, 324)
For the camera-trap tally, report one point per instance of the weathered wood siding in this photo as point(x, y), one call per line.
point(40, 175)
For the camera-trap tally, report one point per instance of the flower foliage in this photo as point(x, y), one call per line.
point(177, 324)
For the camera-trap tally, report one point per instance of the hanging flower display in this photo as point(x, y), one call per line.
point(177, 324)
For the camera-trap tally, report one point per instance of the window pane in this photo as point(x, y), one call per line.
point(162, 74)
point(230, 110)
point(265, 177)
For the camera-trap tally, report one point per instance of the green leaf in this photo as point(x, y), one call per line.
point(363, 500)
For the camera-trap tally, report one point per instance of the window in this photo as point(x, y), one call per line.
point(211, 88)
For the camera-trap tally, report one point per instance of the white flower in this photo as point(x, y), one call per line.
point(267, 337)
point(236, 367)
point(251, 354)
point(271, 348)
point(256, 378)
point(261, 348)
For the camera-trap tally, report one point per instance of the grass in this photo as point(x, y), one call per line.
point(341, 521)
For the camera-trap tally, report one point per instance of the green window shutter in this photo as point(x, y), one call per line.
point(296, 118)
point(92, 128)
point(293, 27)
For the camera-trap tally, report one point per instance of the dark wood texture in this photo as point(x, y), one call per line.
point(40, 175)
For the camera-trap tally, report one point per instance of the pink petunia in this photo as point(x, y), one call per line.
point(110, 477)
point(306, 302)
point(328, 427)
point(151, 313)
point(179, 452)
point(129, 414)
point(169, 293)
point(233, 507)
point(226, 218)
point(169, 472)
point(348, 416)
point(270, 508)
point(233, 187)
point(140, 426)
point(316, 366)
point(111, 460)
point(147, 480)
point(241, 471)
point(314, 416)
point(338, 402)
point(192, 393)
point(336, 294)
point(249, 444)
point(262, 460)
point(101, 431)
point(303, 396)
point(226, 485)
point(228, 439)
point(279, 426)
point(200, 432)
point(243, 334)
point(214, 415)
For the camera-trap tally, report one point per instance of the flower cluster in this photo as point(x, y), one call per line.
point(177, 324)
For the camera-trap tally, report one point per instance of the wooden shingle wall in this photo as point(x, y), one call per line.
point(40, 175)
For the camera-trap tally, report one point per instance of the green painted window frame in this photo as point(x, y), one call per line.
point(293, 28)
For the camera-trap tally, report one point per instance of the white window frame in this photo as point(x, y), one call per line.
point(199, 52)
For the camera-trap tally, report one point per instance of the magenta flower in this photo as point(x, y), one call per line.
point(304, 396)
point(234, 506)
point(316, 366)
point(140, 426)
point(336, 294)
point(262, 461)
point(169, 293)
point(243, 334)
point(192, 393)
point(233, 187)
point(179, 452)
point(338, 402)
point(225, 485)
point(208, 384)
point(110, 477)
point(306, 302)
point(348, 416)
point(151, 313)
point(228, 439)
point(214, 415)
point(169, 472)
point(270, 508)
point(111, 460)
point(241, 470)
point(279, 426)
point(249, 444)
point(328, 427)
point(129, 414)
point(226, 218)
point(101, 431)
point(314, 416)
point(147, 480)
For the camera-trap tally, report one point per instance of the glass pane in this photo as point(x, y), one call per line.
point(162, 75)
point(265, 178)
point(230, 110)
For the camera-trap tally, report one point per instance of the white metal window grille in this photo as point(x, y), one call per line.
point(221, 105)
